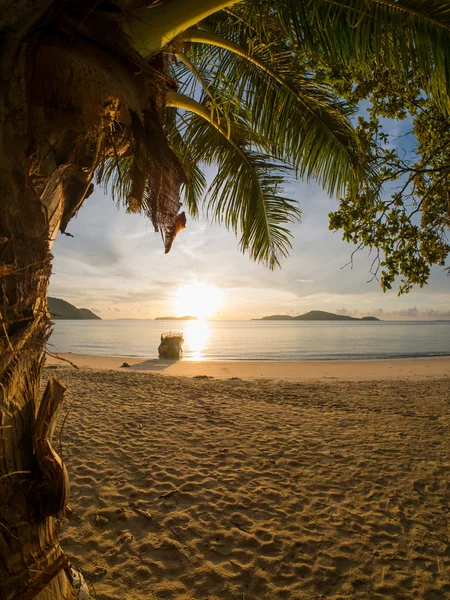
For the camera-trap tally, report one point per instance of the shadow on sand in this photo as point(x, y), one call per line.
point(154, 364)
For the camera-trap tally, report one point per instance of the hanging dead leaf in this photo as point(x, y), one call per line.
point(180, 223)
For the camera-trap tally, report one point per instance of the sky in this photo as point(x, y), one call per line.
point(115, 265)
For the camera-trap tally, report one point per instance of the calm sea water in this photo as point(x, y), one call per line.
point(256, 340)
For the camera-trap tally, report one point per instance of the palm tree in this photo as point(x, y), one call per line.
point(139, 96)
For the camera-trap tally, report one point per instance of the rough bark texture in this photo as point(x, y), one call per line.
point(30, 556)
point(32, 564)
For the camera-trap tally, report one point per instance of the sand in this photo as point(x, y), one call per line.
point(364, 370)
point(232, 489)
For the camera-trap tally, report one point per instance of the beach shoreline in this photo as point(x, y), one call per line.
point(361, 370)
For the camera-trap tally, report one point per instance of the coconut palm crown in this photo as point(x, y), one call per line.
point(232, 89)
point(223, 92)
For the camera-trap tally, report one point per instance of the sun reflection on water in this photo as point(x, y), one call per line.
point(196, 336)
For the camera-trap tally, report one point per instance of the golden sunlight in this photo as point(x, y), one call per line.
point(199, 300)
point(196, 337)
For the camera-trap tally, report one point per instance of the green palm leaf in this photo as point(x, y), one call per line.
point(193, 190)
point(306, 124)
point(245, 193)
point(402, 34)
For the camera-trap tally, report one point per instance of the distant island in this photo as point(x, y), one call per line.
point(60, 309)
point(176, 318)
point(315, 315)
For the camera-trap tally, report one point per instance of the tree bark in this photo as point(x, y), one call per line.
point(33, 484)
point(31, 559)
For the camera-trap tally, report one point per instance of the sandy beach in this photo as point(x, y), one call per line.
point(325, 484)
point(364, 370)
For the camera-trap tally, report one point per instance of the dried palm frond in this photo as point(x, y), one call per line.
point(172, 232)
point(156, 172)
point(107, 104)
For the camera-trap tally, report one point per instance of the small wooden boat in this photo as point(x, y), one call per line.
point(171, 345)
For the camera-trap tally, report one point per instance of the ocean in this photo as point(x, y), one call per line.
point(256, 340)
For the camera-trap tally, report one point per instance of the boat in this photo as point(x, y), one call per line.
point(171, 345)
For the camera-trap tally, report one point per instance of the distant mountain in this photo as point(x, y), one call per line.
point(176, 319)
point(88, 314)
point(60, 309)
point(315, 315)
point(276, 318)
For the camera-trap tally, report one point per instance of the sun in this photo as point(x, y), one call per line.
point(199, 300)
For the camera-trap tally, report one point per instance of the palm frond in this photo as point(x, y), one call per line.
point(403, 34)
point(245, 194)
point(305, 122)
point(194, 188)
point(114, 175)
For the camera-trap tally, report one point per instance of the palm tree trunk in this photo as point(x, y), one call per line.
point(33, 483)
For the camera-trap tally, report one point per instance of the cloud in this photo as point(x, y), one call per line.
point(116, 260)
point(406, 312)
point(431, 312)
point(414, 312)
